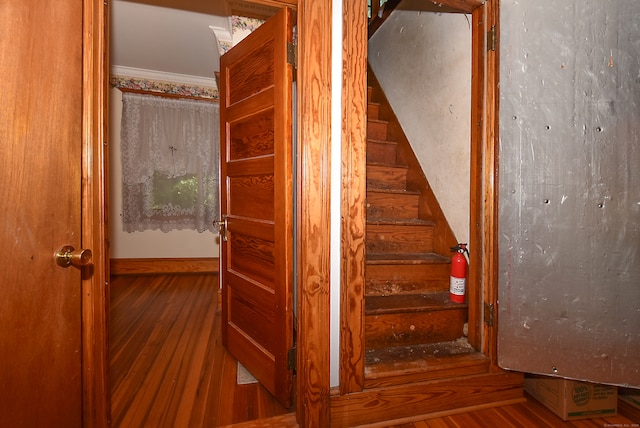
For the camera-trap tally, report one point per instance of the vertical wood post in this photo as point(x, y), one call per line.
point(491, 177)
point(95, 292)
point(354, 159)
point(314, 150)
point(477, 244)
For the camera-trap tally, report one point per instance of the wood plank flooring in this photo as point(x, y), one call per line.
point(169, 368)
point(168, 365)
point(529, 414)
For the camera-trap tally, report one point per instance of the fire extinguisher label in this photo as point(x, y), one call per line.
point(457, 285)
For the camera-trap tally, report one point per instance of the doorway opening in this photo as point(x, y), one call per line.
point(480, 279)
point(251, 398)
point(418, 193)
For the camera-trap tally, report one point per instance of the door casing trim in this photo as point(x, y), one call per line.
point(95, 289)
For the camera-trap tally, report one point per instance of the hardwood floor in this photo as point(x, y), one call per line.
point(529, 414)
point(168, 365)
point(169, 368)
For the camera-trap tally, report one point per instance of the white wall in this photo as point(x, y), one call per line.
point(335, 196)
point(423, 62)
point(148, 244)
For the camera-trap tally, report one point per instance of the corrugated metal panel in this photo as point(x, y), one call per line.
point(569, 265)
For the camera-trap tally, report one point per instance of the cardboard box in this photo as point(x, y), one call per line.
point(571, 399)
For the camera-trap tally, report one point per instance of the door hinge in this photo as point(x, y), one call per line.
point(292, 55)
point(291, 358)
point(489, 314)
point(491, 39)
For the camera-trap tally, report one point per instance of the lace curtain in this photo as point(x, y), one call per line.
point(169, 163)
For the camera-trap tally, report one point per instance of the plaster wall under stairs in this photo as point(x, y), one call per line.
point(412, 331)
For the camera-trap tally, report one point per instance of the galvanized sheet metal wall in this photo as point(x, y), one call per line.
point(569, 264)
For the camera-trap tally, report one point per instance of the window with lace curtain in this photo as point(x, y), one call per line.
point(169, 163)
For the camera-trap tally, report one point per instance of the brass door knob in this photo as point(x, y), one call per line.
point(222, 227)
point(69, 256)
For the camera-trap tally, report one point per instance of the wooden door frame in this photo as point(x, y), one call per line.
point(95, 362)
point(314, 239)
point(353, 189)
point(314, 148)
point(313, 385)
point(483, 211)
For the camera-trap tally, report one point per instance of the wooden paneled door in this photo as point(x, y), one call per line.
point(256, 249)
point(52, 363)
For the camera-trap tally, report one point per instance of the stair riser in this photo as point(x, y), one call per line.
point(392, 205)
point(405, 329)
point(381, 152)
point(408, 272)
point(390, 288)
point(376, 130)
point(386, 280)
point(385, 177)
point(373, 111)
point(399, 239)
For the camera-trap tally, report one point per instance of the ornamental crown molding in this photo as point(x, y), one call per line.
point(162, 76)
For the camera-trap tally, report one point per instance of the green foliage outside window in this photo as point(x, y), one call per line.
point(179, 191)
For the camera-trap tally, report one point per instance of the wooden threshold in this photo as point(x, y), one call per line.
point(422, 398)
point(442, 417)
point(169, 265)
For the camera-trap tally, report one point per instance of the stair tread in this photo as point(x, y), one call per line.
point(431, 357)
point(377, 305)
point(399, 222)
point(406, 258)
point(379, 141)
point(388, 165)
point(394, 191)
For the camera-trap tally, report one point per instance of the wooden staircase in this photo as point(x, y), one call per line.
point(412, 331)
point(417, 358)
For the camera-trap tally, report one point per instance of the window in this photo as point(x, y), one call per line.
point(169, 163)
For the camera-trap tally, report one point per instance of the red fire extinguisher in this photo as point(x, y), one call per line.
point(458, 279)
